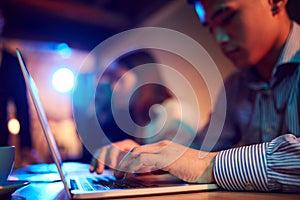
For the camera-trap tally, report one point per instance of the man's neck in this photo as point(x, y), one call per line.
point(266, 66)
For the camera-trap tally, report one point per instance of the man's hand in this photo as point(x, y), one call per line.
point(188, 164)
point(111, 155)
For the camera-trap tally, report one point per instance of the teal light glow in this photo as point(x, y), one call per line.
point(64, 50)
point(200, 11)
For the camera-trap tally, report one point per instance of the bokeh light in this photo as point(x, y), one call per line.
point(63, 80)
point(14, 126)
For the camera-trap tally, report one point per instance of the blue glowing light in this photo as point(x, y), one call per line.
point(200, 11)
point(64, 50)
point(63, 80)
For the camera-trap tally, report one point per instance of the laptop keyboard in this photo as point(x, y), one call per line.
point(107, 183)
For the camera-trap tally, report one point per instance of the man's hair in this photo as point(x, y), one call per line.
point(191, 2)
point(135, 58)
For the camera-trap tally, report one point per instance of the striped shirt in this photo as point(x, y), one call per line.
point(263, 118)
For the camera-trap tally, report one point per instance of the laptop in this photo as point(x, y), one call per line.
point(89, 186)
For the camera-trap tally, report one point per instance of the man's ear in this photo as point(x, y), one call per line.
point(277, 6)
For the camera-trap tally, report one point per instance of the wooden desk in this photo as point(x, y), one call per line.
point(54, 190)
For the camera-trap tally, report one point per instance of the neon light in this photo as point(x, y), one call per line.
point(200, 11)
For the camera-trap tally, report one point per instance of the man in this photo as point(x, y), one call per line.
point(263, 110)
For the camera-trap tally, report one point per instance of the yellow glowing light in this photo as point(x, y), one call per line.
point(14, 126)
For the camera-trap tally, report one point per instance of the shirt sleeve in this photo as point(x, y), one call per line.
point(273, 166)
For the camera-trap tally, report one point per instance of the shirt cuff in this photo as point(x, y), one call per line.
point(283, 164)
point(242, 168)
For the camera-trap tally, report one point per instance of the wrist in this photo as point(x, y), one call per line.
point(212, 166)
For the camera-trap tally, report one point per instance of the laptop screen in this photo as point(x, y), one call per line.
point(42, 118)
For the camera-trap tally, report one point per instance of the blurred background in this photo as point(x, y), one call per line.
point(60, 33)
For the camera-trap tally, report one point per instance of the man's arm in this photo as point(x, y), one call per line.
point(273, 166)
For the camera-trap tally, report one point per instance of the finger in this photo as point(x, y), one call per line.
point(101, 160)
point(142, 163)
point(124, 162)
point(127, 160)
point(134, 166)
point(145, 163)
point(113, 156)
point(151, 148)
point(93, 164)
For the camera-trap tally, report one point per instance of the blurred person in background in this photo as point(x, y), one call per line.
point(152, 107)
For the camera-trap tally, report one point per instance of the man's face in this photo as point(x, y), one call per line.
point(244, 29)
point(121, 86)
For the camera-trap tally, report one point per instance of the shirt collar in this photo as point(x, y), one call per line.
point(291, 50)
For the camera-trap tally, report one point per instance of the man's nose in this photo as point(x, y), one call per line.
point(221, 36)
